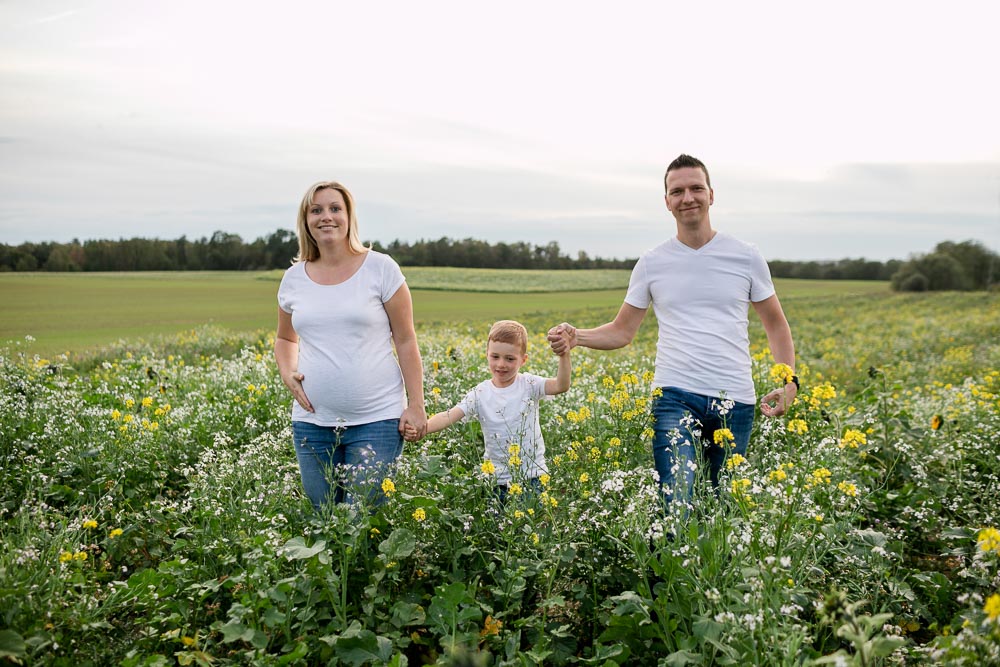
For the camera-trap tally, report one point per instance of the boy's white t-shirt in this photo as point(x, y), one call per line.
point(509, 415)
point(345, 343)
point(701, 300)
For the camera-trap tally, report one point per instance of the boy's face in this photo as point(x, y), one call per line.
point(504, 360)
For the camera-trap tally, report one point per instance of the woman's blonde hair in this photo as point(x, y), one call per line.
point(308, 250)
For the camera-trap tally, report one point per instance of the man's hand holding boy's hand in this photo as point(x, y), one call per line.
point(562, 338)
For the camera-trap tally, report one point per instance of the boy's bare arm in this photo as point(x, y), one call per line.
point(564, 376)
point(443, 420)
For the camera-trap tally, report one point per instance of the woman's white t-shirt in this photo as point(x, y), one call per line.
point(345, 343)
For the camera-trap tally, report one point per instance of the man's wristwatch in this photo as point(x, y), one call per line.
point(794, 380)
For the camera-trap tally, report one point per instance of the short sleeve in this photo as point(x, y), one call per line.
point(391, 278)
point(470, 406)
point(285, 292)
point(761, 285)
point(638, 286)
point(536, 386)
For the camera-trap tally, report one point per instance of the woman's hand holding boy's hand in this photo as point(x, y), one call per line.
point(410, 433)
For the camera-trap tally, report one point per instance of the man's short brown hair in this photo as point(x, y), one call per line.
point(684, 160)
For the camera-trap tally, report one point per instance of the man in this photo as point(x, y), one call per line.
point(699, 284)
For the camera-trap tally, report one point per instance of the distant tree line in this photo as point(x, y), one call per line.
point(473, 253)
point(951, 266)
point(968, 265)
point(221, 251)
point(224, 251)
point(841, 269)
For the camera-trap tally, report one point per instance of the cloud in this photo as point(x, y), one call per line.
point(124, 119)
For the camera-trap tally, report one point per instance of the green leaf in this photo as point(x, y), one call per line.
point(296, 549)
point(357, 647)
point(400, 544)
point(235, 631)
point(708, 629)
point(11, 645)
point(681, 658)
point(407, 613)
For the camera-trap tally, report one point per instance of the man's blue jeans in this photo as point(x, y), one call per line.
point(683, 419)
point(338, 462)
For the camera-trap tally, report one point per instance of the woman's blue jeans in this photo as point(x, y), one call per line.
point(679, 417)
point(341, 463)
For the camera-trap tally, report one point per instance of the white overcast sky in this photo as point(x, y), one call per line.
point(831, 130)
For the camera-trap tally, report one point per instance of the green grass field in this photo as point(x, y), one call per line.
point(80, 311)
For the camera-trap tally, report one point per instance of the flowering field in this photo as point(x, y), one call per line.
point(151, 512)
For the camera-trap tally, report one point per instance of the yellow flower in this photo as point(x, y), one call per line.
point(798, 426)
point(821, 476)
point(852, 438)
point(848, 489)
point(818, 517)
point(65, 557)
point(534, 538)
point(515, 489)
point(734, 461)
point(514, 460)
point(147, 401)
point(778, 475)
point(116, 415)
point(740, 485)
point(80, 555)
point(992, 607)
point(129, 403)
point(989, 540)
point(544, 478)
point(723, 437)
point(388, 487)
point(188, 641)
point(823, 392)
point(781, 373)
point(419, 514)
point(115, 533)
point(518, 514)
point(615, 442)
point(488, 468)
point(89, 523)
point(584, 478)
point(937, 422)
point(514, 449)
point(491, 626)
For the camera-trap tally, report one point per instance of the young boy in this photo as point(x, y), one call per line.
point(506, 407)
